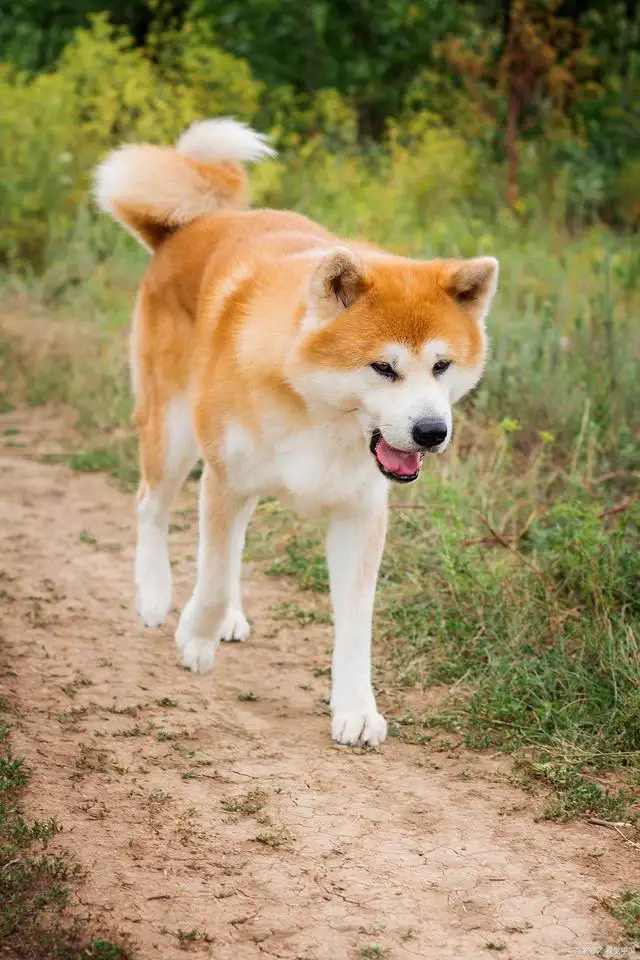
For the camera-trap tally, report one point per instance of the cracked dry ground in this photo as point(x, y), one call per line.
point(194, 808)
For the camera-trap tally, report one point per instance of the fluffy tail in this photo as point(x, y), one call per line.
point(153, 190)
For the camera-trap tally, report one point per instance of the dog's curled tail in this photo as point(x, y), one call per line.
point(152, 191)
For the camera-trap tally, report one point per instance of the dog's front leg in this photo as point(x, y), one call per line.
point(354, 547)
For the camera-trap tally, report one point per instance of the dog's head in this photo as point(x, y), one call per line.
point(396, 342)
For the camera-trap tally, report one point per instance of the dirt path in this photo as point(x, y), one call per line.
point(235, 820)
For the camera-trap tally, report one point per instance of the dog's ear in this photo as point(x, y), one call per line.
point(472, 284)
point(337, 282)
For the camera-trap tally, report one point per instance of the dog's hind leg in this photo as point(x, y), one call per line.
point(214, 611)
point(235, 626)
point(168, 451)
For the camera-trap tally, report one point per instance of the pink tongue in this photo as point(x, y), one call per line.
point(402, 462)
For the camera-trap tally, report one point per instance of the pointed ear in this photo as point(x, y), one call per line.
point(337, 282)
point(473, 283)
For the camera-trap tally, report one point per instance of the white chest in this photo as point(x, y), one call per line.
point(309, 470)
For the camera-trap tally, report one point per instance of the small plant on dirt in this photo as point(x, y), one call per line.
point(291, 610)
point(626, 908)
point(250, 803)
point(167, 702)
point(129, 711)
point(375, 952)
point(248, 696)
point(159, 797)
point(274, 838)
point(135, 731)
point(575, 794)
point(92, 760)
point(187, 937)
point(86, 537)
point(72, 688)
point(105, 950)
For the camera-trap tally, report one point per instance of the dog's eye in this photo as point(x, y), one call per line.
point(440, 367)
point(385, 370)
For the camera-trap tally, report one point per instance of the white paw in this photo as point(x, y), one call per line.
point(359, 728)
point(235, 626)
point(153, 581)
point(196, 652)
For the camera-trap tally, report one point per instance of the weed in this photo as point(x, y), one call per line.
point(248, 695)
point(92, 759)
point(374, 952)
point(274, 838)
point(167, 702)
point(131, 710)
point(187, 937)
point(290, 610)
point(72, 688)
point(626, 908)
point(159, 797)
point(105, 950)
point(135, 731)
point(250, 803)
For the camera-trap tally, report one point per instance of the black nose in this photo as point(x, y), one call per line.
point(429, 434)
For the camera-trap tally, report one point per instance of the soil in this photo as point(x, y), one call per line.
point(212, 815)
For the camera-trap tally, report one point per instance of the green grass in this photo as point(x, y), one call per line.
point(118, 460)
point(626, 908)
point(37, 919)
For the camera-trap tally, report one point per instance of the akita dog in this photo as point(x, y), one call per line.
point(297, 365)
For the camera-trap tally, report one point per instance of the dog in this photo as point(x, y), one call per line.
point(296, 365)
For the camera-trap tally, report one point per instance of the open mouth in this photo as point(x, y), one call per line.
point(402, 466)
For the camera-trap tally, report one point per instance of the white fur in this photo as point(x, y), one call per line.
point(214, 611)
point(174, 192)
point(153, 566)
point(393, 407)
point(224, 139)
point(354, 547)
point(164, 183)
point(310, 470)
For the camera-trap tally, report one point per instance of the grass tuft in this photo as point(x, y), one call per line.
point(626, 908)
